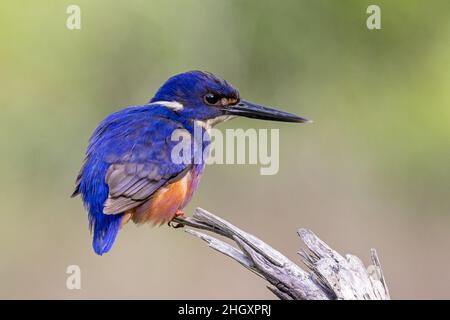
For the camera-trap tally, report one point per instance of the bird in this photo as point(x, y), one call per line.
point(128, 174)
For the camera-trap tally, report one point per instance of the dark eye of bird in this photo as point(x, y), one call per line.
point(211, 98)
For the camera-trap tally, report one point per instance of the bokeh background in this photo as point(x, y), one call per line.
point(372, 171)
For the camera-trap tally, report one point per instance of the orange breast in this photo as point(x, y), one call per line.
point(164, 204)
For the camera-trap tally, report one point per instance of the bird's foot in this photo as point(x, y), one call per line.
point(180, 213)
point(177, 225)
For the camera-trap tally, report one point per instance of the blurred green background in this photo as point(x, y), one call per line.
point(372, 171)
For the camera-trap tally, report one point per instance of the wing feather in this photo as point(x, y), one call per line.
point(136, 144)
point(132, 183)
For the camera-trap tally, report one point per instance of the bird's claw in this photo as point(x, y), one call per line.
point(177, 225)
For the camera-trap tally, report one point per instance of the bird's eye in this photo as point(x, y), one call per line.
point(211, 98)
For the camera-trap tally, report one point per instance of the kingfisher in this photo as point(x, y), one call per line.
point(129, 172)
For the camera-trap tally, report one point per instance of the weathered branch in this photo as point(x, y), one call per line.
point(328, 275)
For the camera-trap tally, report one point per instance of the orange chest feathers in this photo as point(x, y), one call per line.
point(164, 203)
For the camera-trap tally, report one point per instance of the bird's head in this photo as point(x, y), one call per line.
point(202, 96)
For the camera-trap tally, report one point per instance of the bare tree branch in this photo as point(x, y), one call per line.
point(328, 274)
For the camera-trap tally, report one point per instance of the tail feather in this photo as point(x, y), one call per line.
point(91, 185)
point(105, 229)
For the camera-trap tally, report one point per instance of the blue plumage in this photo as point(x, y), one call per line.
point(132, 135)
point(128, 172)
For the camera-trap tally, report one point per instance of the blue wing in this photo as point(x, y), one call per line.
point(128, 159)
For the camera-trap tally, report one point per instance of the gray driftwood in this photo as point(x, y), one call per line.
point(327, 274)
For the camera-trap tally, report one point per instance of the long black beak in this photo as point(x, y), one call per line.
point(256, 111)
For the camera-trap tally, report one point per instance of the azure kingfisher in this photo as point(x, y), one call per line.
point(128, 172)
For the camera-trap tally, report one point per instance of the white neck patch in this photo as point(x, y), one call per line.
point(172, 105)
point(208, 124)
